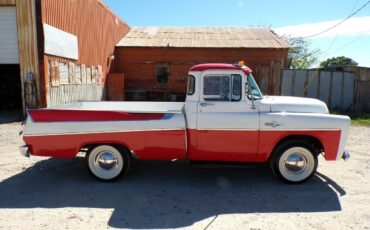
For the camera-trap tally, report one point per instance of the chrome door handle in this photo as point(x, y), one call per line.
point(274, 124)
point(204, 104)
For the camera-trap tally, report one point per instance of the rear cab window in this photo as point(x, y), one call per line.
point(191, 85)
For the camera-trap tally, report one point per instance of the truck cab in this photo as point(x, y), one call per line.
point(222, 113)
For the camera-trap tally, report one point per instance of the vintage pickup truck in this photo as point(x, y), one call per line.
point(225, 119)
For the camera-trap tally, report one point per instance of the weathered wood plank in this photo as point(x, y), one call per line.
point(7, 3)
point(65, 94)
point(116, 87)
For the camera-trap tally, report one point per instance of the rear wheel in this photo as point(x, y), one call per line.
point(108, 163)
point(294, 162)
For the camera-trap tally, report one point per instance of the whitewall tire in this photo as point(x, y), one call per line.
point(294, 162)
point(107, 162)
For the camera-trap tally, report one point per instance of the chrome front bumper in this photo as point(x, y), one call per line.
point(346, 155)
point(25, 151)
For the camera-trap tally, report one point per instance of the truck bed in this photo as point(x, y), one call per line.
point(152, 130)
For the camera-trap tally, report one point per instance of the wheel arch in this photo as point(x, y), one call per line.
point(313, 141)
point(87, 147)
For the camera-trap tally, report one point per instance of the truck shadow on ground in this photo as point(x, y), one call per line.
point(166, 194)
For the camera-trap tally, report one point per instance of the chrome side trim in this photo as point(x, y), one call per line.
point(100, 132)
point(220, 129)
point(274, 124)
point(216, 129)
point(292, 129)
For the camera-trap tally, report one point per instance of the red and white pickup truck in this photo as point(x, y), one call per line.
point(225, 119)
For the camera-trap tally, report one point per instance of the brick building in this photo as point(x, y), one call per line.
point(155, 60)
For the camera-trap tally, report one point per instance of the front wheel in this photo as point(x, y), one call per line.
point(108, 163)
point(294, 162)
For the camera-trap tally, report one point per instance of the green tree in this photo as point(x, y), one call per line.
point(338, 61)
point(301, 54)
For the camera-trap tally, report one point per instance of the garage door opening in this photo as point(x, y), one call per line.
point(10, 80)
point(10, 92)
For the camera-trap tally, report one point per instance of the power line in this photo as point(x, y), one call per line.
point(339, 23)
point(336, 36)
point(350, 43)
point(316, 74)
point(327, 53)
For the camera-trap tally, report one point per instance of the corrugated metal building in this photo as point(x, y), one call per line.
point(54, 52)
point(155, 60)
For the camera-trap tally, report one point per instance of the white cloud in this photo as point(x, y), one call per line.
point(352, 27)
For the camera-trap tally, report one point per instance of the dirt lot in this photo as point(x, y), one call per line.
point(60, 194)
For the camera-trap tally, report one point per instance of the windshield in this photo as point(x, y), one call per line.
point(254, 93)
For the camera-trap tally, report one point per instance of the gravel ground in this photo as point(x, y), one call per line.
point(43, 193)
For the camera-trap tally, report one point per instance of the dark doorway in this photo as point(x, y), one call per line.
point(10, 92)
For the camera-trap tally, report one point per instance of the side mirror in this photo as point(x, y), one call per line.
point(248, 92)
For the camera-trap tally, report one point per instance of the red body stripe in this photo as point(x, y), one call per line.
point(250, 146)
point(329, 139)
point(222, 145)
point(203, 145)
point(55, 115)
point(147, 145)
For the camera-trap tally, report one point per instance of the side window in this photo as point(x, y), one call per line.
point(162, 72)
point(216, 88)
point(236, 88)
point(222, 88)
point(191, 85)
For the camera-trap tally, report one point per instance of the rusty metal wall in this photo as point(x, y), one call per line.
point(97, 29)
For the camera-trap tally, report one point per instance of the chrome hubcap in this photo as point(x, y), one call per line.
point(295, 163)
point(106, 160)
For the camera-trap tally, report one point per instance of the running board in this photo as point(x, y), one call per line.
point(215, 164)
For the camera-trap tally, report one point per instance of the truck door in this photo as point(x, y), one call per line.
point(227, 121)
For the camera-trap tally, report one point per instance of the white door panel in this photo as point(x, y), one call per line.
point(227, 123)
point(228, 120)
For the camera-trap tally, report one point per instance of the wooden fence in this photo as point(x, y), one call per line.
point(65, 94)
point(269, 78)
point(71, 82)
point(335, 88)
point(361, 101)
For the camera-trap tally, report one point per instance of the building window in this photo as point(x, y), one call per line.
point(162, 72)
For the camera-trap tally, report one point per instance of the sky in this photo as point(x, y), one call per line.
point(287, 17)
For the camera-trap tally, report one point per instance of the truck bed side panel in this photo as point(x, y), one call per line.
point(149, 136)
point(146, 145)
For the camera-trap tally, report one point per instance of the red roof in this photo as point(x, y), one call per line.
point(220, 66)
